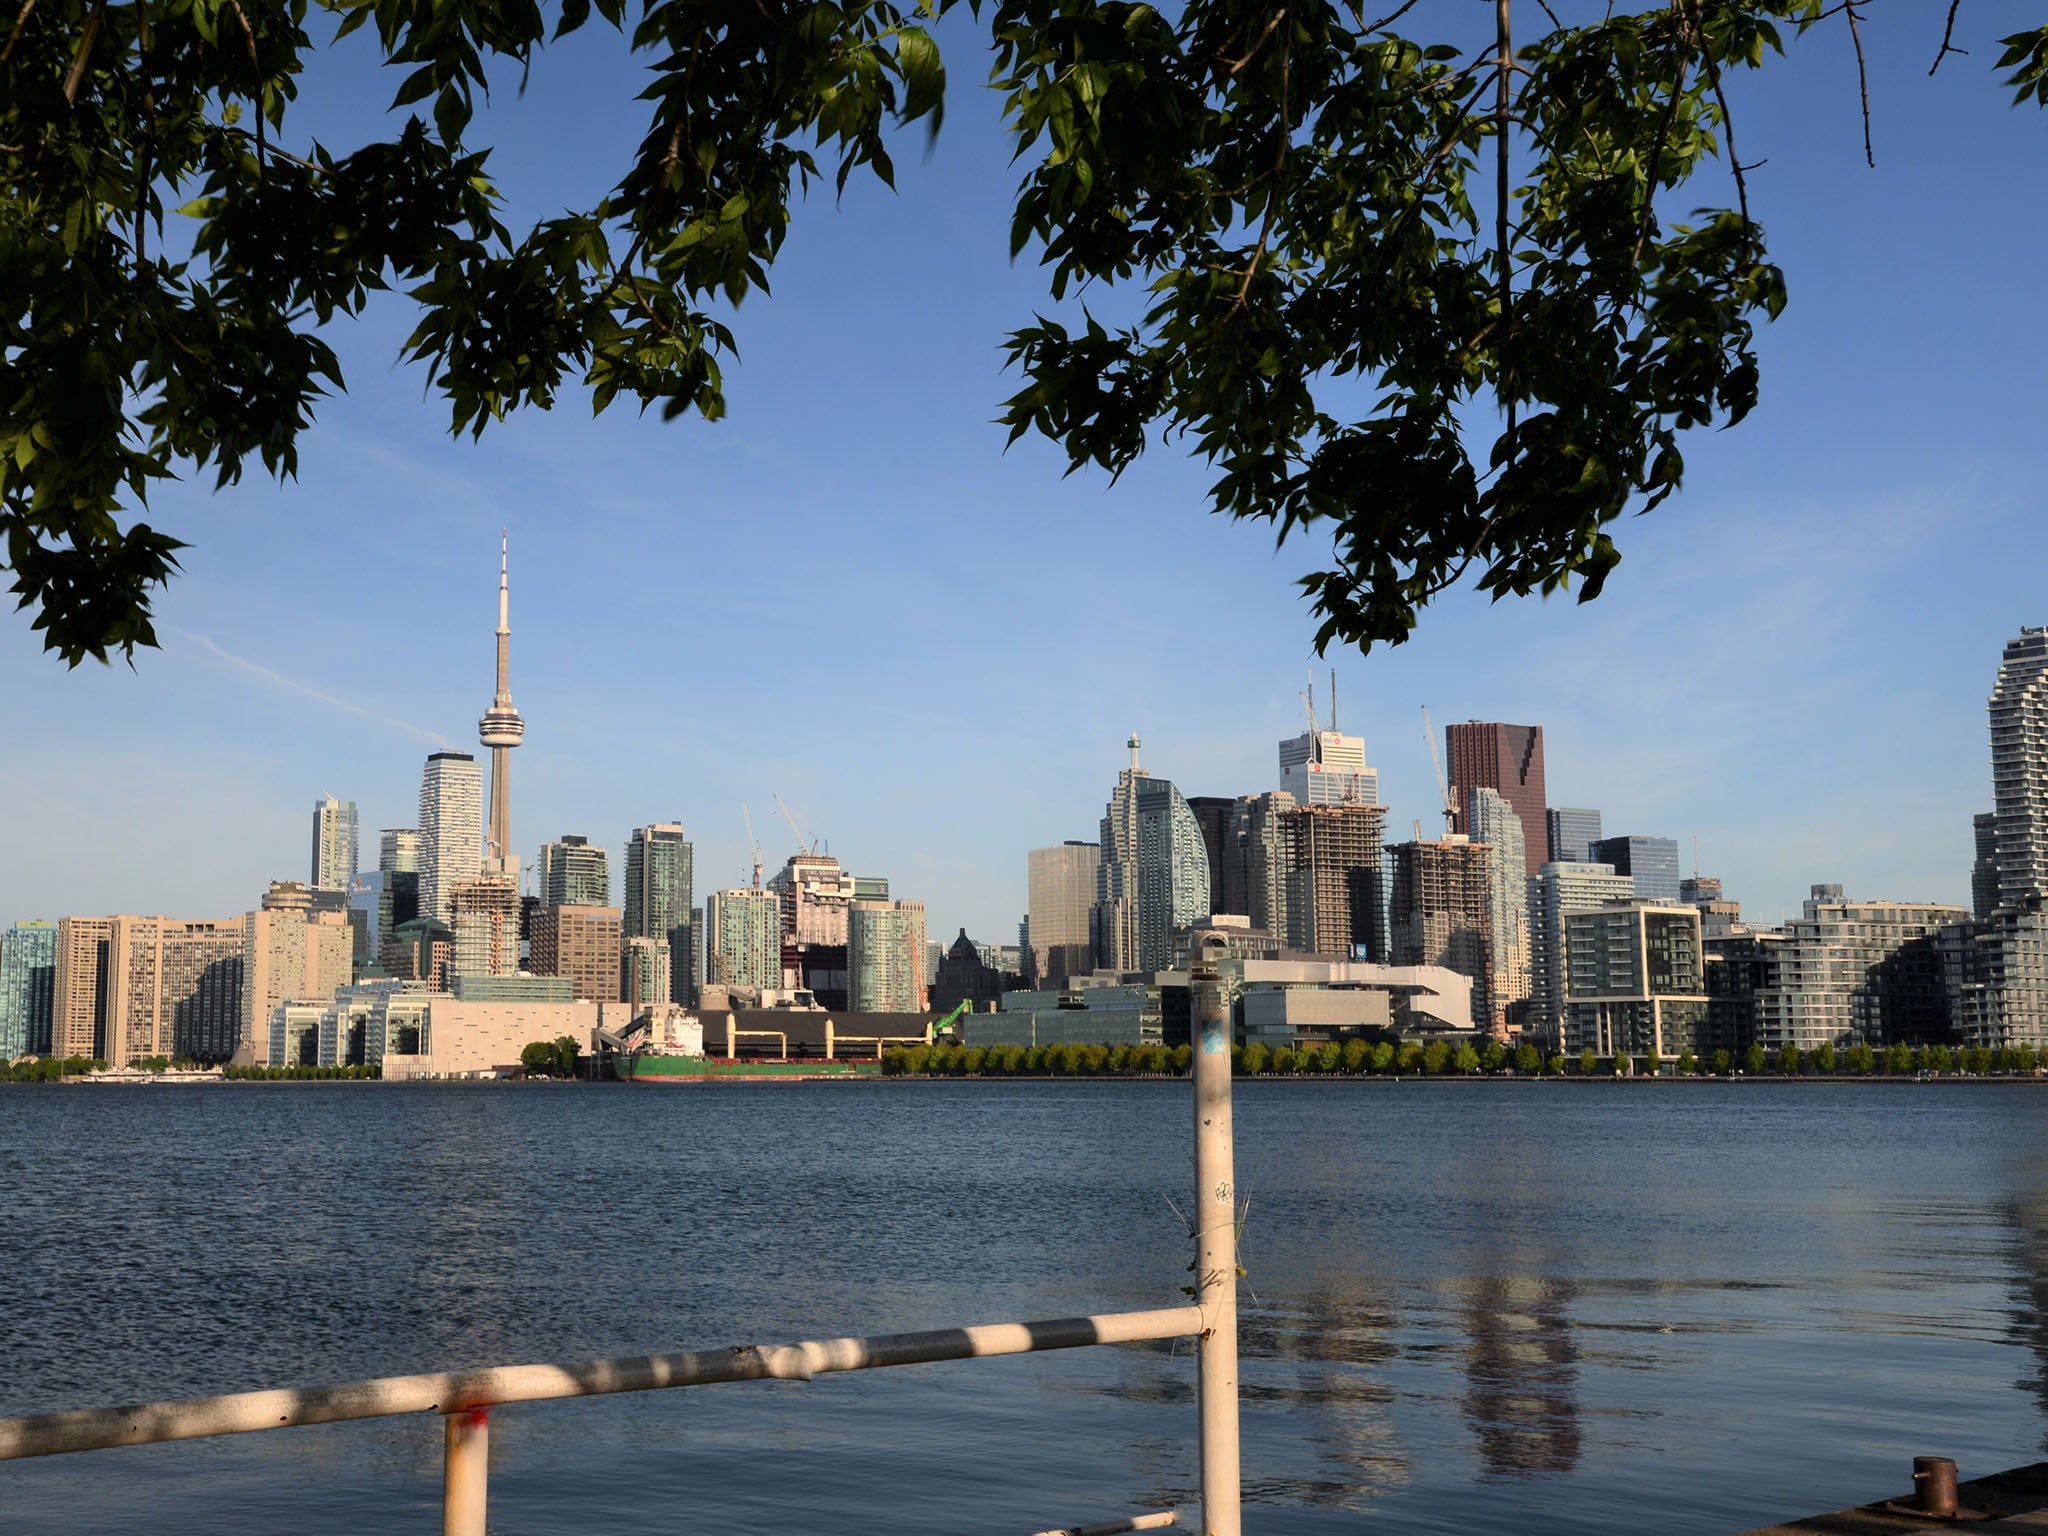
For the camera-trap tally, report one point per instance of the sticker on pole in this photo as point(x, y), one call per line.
point(1215, 1039)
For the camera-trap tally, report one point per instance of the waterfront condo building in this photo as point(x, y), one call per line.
point(174, 989)
point(1650, 862)
point(1496, 826)
point(1636, 982)
point(1061, 892)
point(451, 830)
point(571, 873)
point(1154, 875)
point(582, 943)
point(78, 1008)
point(292, 950)
point(1442, 912)
point(334, 844)
point(1572, 832)
point(28, 988)
point(743, 938)
point(2005, 1001)
point(659, 898)
point(1508, 758)
point(886, 957)
point(1559, 890)
point(1843, 973)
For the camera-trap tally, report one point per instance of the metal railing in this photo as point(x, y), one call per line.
point(464, 1399)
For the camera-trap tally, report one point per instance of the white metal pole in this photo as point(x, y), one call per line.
point(466, 1477)
point(1215, 1242)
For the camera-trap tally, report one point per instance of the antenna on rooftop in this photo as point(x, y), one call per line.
point(1333, 698)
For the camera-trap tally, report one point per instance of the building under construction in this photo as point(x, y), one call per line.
point(1337, 880)
point(1440, 912)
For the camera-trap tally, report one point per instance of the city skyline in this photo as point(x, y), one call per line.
point(1795, 651)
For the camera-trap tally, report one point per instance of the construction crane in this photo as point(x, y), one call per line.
point(1443, 788)
point(802, 846)
point(753, 842)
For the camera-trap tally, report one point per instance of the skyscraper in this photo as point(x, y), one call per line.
point(1264, 830)
point(743, 938)
point(2019, 767)
point(1326, 767)
point(1154, 876)
point(334, 844)
point(1573, 831)
point(1212, 814)
point(78, 1007)
point(1061, 886)
point(643, 967)
point(572, 873)
point(28, 980)
point(886, 962)
point(501, 730)
point(2006, 1002)
point(398, 867)
point(1507, 758)
point(451, 848)
point(1651, 862)
point(660, 879)
point(1495, 824)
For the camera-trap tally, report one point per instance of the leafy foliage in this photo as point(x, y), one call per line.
point(1337, 320)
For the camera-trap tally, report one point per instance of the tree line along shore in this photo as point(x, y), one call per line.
point(1440, 1058)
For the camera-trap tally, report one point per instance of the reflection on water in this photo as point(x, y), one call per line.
point(1521, 1364)
point(1514, 1307)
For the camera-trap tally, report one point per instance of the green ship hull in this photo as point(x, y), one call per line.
point(647, 1067)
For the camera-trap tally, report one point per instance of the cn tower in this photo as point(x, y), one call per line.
point(501, 730)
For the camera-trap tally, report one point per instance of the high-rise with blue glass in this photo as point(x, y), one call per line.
point(1154, 875)
point(28, 977)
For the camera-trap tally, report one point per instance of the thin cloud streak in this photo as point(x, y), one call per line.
point(293, 685)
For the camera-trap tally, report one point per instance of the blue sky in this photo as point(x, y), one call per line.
point(848, 593)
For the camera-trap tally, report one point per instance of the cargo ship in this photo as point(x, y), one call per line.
point(658, 1067)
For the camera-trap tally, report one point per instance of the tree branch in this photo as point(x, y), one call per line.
point(1862, 79)
point(1734, 160)
point(76, 72)
point(20, 21)
point(1253, 51)
point(1279, 165)
point(1947, 32)
point(1663, 133)
point(1385, 21)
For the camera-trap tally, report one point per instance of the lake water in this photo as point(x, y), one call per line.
point(1512, 1307)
